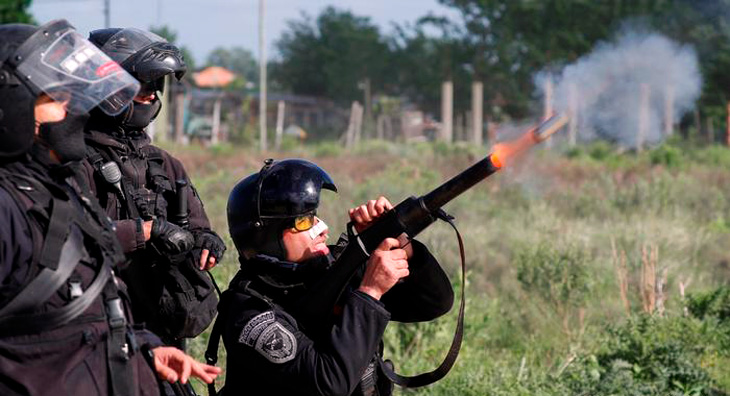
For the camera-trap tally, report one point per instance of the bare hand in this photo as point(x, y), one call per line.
point(172, 364)
point(364, 214)
point(207, 260)
point(386, 266)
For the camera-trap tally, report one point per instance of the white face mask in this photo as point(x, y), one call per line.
point(318, 229)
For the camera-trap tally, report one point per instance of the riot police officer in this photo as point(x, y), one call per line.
point(139, 185)
point(65, 324)
point(272, 217)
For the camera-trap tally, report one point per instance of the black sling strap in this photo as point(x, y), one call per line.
point(448, 362)
point(48, 280)
point(61, 213)
point(211, 352)
point(37, 322)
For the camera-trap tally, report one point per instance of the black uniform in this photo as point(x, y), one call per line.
point(76, 339)
point(270, 353)
point(148, 181)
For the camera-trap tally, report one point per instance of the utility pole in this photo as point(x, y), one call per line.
point(262, 74)
point(368, 107)
point(107, 6)
point(477, 112)
point(447, 111)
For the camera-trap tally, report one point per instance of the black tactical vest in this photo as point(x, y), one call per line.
point(65, 328)
point(145, 188)
point(169, 294)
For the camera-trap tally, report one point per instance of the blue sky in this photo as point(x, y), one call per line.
point(205, 24)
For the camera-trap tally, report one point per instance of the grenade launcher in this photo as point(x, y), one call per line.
point(411, 217)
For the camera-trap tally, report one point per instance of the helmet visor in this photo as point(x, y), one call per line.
point(74, 70)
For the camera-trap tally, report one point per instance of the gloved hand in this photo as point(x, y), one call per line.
point(171, 238)
point(212, 242)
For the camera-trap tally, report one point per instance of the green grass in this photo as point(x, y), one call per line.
point(574, 205)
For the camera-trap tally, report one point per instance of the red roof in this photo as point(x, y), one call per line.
point(214, 77)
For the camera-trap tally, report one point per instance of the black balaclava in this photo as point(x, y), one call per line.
point(66, 137)
point(142, 114)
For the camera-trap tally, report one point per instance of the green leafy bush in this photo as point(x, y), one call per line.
point(666, 155)
point(328, 149)
point(600, 150)
point(648, 355)
point(558, 276)
point(715, 303)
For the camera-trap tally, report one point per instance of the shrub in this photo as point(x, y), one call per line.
point(666, 155)
point(328, 149)
point(715, 303)
point(648, 355)
point(557, 276)
point(600, 150)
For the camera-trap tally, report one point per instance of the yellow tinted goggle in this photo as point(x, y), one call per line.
point(304, 222)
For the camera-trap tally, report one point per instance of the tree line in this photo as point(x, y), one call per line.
point(502, 43)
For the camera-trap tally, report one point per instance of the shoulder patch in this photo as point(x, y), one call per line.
point(269, 338)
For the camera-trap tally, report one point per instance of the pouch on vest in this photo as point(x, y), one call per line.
point(177, 300)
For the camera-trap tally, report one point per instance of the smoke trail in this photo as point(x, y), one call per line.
point(607, 84)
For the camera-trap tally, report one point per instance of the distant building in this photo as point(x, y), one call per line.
point(214, 77)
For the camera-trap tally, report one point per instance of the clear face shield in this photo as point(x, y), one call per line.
point(64, 65)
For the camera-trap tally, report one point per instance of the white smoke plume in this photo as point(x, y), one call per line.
point(607, 85)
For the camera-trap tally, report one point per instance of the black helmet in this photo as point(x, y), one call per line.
point(146, 56)
point(262, 205)
point(55, 60)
